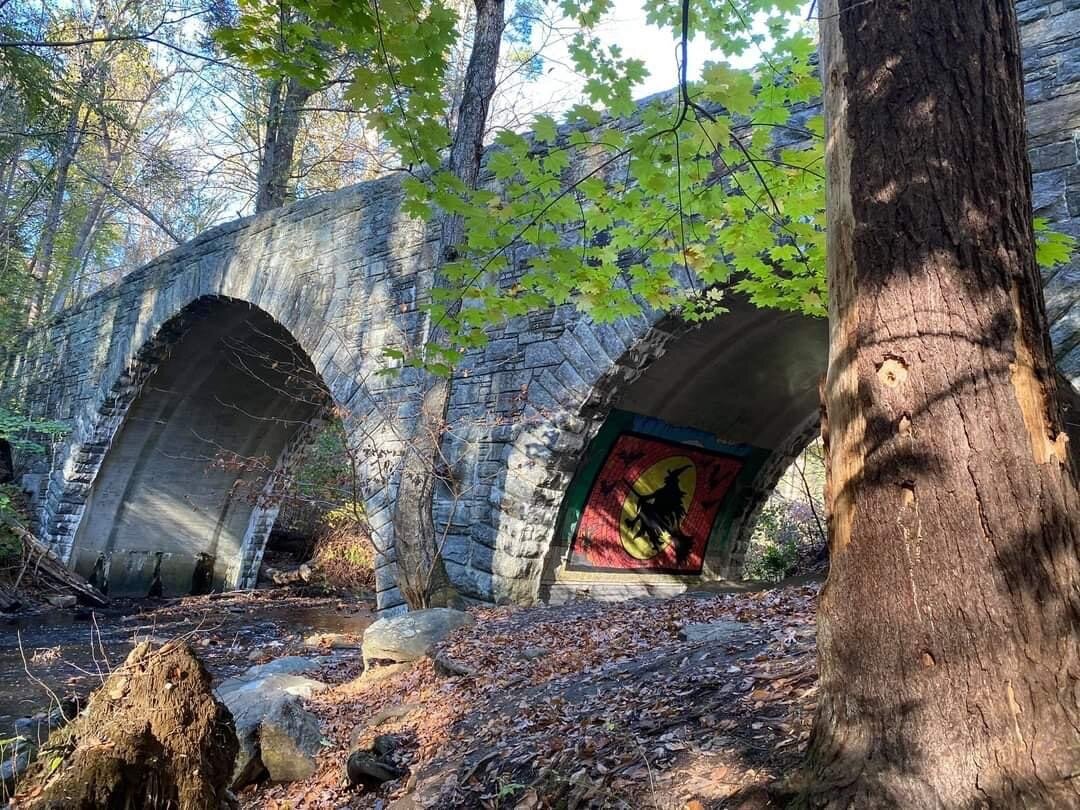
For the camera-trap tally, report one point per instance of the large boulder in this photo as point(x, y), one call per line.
point(289, 739)
point(255, 695)
point(411, 636)
point(286, 665)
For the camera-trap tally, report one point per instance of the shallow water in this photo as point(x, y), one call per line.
point(48, 656)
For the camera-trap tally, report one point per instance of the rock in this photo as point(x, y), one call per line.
point(15, 757)
point(305, 572)
point(251, 696)
point(286, 665)
point(411, 636)
point(532, 653)
point(289, 739)
point(66, 600)
point(241, 689)
point(366, 769)
point(449, 668)
point(718, 631)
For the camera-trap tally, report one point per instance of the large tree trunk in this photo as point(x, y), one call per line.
point(287, 97)
point(421, 571)
point(949, 630)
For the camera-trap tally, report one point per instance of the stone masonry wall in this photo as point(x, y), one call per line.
point(1051, 41)
point(346, 273)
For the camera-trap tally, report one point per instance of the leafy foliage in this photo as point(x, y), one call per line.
point(1052, 248)
point(26, 434)
point(690, 195)
point(777, 561)
point(399, 85)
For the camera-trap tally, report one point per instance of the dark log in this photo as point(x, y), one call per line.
point(42, 563)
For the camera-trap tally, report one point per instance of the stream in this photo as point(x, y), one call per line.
point(50, 655)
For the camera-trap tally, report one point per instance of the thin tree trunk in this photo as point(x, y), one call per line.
point(41, 263)
point(6, 196)
point(421, 570)
point(287, 98)
point(80, 251)
point(949, 630)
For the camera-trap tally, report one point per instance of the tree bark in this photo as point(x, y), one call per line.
point(949, 629)
point(287, 98)
point(421, 571)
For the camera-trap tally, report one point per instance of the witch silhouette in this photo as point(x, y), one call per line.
point(660, 513)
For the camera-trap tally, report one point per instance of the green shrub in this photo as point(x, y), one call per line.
point(776, 562)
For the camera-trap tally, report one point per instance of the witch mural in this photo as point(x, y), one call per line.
point(652, 507)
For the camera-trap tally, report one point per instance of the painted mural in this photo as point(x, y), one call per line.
point(652, 506)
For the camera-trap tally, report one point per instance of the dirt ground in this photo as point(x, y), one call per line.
point(582, 705)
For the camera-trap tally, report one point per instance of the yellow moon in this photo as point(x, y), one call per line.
point(648, 482)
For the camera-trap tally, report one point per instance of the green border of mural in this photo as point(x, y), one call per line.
point(619, 422)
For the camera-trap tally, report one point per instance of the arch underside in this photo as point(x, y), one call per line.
point(736, 399)
point(182, 502)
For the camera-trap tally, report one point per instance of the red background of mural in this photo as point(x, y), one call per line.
point(597, 543)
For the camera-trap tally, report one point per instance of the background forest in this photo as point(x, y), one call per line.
point(126, 128)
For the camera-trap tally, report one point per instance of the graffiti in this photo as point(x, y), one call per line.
point(652, 506)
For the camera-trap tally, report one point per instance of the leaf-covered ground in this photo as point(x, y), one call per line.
point(583, 705)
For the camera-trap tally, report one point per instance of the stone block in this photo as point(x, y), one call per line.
point(1047, 188)
point(543, 353)
point(1069, 68)
point(1053, 156)
point(1072, 191)
point(386, 577)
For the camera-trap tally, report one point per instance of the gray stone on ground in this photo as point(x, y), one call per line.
point(411, 636)
point(289, 739)
point(718, 631)
point(286, 665)
point(251, 697)
point(241, 689)
point(15, 757)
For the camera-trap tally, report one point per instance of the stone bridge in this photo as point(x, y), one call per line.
point(189, 385)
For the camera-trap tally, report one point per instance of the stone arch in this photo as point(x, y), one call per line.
point(748, 379)
point(168, 487)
